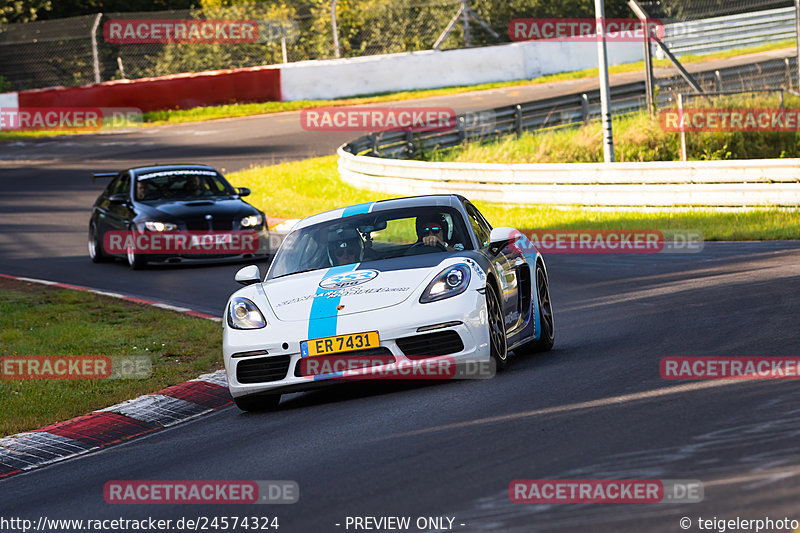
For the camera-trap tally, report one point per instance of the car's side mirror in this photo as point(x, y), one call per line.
point(500, 237)
point(248, 275)
point(118, 198)
point(243, 191)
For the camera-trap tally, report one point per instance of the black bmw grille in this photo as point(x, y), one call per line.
point(431, 344)
point(218, 223)
point(262, 369)
point(382, 356)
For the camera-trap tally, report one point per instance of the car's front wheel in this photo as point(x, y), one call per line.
point(497, 329)
point(135, 261)
point(258, 403)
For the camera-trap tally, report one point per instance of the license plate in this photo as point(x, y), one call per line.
point(340, 343)
point(208, 240)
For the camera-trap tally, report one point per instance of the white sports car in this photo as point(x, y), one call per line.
point(396, 281)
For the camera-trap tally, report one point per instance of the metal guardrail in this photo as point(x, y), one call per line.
point(716, 34)
point(376, 161)
point(569, 110)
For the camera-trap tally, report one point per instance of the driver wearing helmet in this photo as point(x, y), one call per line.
point(432, 230)
point(344, 247)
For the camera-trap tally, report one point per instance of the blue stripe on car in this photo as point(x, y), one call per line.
point(323, 316)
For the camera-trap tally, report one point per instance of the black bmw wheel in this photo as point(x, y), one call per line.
point(96, 246)
point(497, 329)
point(135, 261)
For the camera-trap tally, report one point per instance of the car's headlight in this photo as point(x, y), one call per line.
point(252, 221)
point(449, 282)
point(244, 314)
point(159, 226)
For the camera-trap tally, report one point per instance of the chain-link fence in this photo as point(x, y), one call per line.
point(702, 27)
point(78, 50)
point(75, 51)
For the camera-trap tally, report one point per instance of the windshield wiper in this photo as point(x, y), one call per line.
point(298, 272)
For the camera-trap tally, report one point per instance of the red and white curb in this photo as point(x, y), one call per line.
point(118, 423)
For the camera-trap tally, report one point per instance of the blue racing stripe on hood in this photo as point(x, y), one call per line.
point(323, 316)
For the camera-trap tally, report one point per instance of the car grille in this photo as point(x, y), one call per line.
point(382, 356)
point(218, 223)
point(262, 369)
point(431, 344)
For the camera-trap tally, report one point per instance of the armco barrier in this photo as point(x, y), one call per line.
point(662, 184)
point(179, 91)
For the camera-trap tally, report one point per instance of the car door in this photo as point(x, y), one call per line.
point(507, 263)
point(119, 214)
point(102, 205)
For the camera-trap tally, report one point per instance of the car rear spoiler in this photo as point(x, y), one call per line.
point(96, 175)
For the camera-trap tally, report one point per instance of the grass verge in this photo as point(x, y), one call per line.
point(638, 138)
point(41, 320)
point(298, 189)
point(198, 114)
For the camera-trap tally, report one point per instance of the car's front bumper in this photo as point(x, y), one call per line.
point(281, 340)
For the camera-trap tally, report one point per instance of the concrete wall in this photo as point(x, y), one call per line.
point(339, 78)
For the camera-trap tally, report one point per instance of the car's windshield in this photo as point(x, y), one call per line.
point(181, 184)
point(371, 237)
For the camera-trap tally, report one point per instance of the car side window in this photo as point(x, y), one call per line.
point(120, 185)
point(111, 187)
point(479, 225)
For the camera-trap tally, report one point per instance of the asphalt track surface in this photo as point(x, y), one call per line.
point(594, 407)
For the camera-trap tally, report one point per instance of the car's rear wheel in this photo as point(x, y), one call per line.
point(497, 330)
point(258, 403)
point(544, 316)
point(96, 246)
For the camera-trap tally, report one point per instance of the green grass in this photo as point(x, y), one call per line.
point(199, 114)
point(637, 137)
point(298, 189)
point(39, 320)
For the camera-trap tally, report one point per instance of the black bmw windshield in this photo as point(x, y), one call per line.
point(181, 184)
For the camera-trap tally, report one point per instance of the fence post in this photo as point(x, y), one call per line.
point(788, 73)
point(585, 107)
point(518, 119)
point(95, 55)
point(409, 144)
point(683, 130)
point(718, 77)
point(335, 30)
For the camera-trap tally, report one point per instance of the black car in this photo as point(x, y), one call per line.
point(174, 213)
